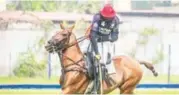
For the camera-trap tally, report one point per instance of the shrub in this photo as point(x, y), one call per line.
point(29, 66)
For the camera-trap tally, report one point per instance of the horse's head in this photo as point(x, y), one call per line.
point(60, 40)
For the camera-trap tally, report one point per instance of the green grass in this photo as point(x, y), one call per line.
point(160, 79)
point(138, 91)
point(55, 80)
point(30, 91)
point(158, 91)
point(17, 80)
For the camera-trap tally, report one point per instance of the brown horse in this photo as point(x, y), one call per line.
point(74, 79)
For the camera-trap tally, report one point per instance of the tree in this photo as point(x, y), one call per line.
point(159, 57)
point(88, 7)
point(145, 35)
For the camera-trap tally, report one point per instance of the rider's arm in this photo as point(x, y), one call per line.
point(94, 42)
point(93, 35)
point(115, 32)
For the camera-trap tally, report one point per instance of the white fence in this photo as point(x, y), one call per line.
point(17, 38)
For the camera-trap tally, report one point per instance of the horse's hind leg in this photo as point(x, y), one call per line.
point(128, 86)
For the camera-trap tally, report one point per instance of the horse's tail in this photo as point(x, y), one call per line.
point(149, 66)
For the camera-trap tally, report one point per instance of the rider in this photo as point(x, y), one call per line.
point(104, 31)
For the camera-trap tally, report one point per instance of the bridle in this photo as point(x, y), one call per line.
point(61, 51)
point(66, 46)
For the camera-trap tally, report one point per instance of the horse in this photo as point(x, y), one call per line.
point(74, 78)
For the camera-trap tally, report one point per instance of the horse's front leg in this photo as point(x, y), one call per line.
point(69, 90)
point(75, 84)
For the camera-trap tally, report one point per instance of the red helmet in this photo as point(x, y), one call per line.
point(108, 11)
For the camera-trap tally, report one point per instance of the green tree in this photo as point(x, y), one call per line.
point(145, 35)
point(88, 7)
point(159, 57)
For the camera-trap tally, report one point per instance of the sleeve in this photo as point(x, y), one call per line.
point(94, 42)
point(115, 32)
point(117, 22)
point(94, 36)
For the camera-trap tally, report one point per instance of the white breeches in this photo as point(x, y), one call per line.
point(104, 48)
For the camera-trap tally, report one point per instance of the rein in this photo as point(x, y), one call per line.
point(76, 42)
point(65, 68)
point(74, 63)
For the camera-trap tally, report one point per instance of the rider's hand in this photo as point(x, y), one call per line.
point(98, 57)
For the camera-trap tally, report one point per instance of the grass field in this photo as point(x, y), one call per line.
point(160, 79)
point(138, 91)
point(55, 80)
point(17, 80)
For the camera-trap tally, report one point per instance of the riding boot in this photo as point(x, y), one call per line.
point(105, 75)
point(94, 89)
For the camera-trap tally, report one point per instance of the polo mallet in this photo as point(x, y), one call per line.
point(101, 79)
point(100, 73)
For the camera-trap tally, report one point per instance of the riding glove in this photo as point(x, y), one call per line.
point(98, 57)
